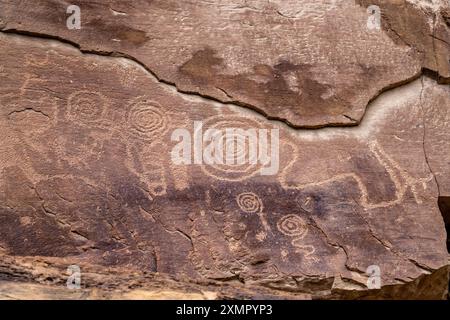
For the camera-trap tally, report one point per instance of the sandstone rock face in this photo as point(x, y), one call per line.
point(357, 114)
point(309, 63)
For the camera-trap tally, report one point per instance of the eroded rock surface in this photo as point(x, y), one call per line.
point(87, 176)
point(309, 63)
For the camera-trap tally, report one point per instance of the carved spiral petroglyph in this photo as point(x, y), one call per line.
point(146, 120)
point(245, 162)
point(293, 226)
point(86, 106)
point(249, 202)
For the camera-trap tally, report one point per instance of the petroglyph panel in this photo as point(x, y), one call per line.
point(87, 174)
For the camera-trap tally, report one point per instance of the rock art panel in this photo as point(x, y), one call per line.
point(88, 178)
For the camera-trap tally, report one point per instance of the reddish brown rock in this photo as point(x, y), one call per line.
point(87, 176)
point(309, 63)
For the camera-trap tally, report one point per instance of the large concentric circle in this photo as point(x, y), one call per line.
point(235, 137)
point(146, 120)
point(86, 106)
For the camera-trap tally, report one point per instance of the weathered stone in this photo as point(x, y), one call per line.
point(309, 63)
point(87, 176)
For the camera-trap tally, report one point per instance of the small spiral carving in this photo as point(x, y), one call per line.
point(249, 202)
point(293, 226)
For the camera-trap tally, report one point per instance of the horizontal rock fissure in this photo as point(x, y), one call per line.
point(113, 54)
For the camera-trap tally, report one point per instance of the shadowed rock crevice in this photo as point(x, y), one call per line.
point(444, 206)
point(313, 88)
